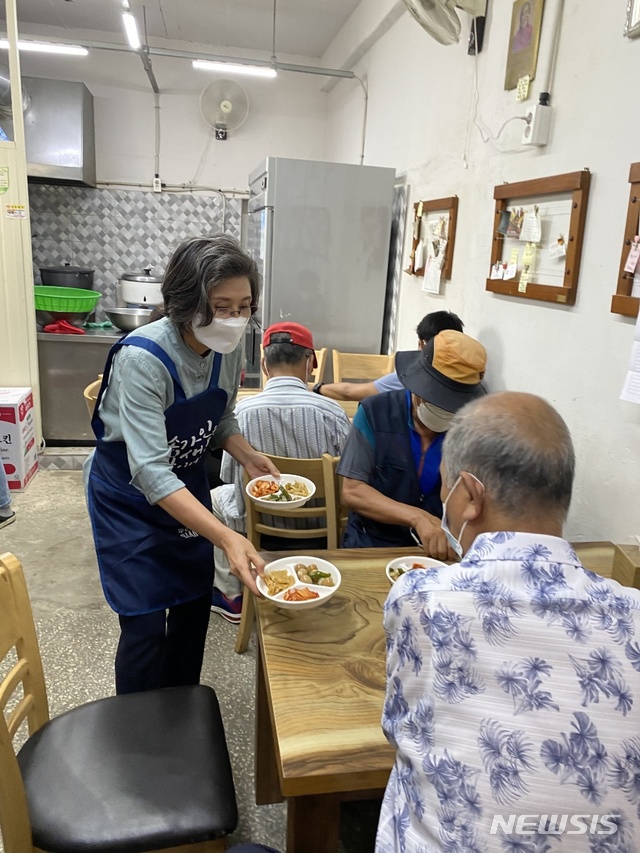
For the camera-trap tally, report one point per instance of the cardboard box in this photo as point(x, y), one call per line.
point(18, 451)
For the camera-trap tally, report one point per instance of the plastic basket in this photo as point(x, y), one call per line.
point(71, 299)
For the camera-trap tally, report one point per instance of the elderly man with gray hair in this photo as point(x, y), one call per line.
point(513, 677)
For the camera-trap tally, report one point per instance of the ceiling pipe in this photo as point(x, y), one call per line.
point(188, 54)
point(146, 62)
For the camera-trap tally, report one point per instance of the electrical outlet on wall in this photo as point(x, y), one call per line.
point(536, 131)
point(157, 185)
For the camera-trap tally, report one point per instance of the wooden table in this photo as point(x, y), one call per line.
point(320, 691)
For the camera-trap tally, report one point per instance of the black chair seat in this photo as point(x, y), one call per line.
point(136, 772)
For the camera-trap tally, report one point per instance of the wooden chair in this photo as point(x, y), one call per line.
point(243, 393)
point(90, 395)
point(315, 470)
point(356, 365)
point(317, 374)
point(144, 771)
point(333, 487)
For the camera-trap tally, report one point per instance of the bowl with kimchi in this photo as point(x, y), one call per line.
point(299, 583)
point(288, 491)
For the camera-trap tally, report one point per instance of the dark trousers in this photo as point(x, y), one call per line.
point(162, 649)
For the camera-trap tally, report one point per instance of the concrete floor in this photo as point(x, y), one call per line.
point(78, 634)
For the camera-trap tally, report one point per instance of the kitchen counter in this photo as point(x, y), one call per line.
point(90, 336)
point(68, 363)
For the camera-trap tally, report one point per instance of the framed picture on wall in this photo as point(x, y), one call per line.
point(545, 265)
point(524, 40)
point(632, 25)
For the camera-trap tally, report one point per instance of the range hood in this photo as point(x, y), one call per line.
point(59, 132)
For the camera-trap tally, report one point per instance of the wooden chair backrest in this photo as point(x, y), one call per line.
point(317, 375)
point(23, 697)
point(336, 511)
point(90, 395)
point(312, 469)
point(359, 365)
point(322, 472)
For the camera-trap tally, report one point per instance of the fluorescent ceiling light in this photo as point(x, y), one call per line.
point(234, 68)
point(132, 30)
point(45, 47)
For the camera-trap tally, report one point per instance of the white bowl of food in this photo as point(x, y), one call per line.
point(401, 565)
point(288, 491)
point(299, 583)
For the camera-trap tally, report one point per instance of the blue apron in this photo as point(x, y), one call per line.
point(149, 561)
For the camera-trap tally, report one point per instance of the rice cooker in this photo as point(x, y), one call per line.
point(141, 289)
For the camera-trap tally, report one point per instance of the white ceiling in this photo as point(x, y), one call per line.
point(304, 27)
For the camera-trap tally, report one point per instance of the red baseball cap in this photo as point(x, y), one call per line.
point(298, 335)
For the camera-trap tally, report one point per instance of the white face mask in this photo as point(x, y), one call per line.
point(221, 336)
point(433, 417)
point(456, 544)
point(444, 524)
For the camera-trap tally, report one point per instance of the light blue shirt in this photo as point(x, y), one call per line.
point(390, 382)
point(513, 689)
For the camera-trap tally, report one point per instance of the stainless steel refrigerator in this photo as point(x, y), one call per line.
point(320, 233)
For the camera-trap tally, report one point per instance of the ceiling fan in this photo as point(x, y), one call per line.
point(440, 19)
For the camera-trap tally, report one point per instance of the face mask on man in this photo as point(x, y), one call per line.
point(456, 544)
point(433, 417)
point(221, 336)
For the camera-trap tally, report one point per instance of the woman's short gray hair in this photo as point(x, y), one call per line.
point(524, 461)
point(196, 267)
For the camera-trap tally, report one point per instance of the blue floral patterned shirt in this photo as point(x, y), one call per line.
point(513, 702)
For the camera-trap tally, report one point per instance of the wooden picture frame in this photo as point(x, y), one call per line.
point(623, 302)
point(576, 184)
point(448, 206)
point(524, 41)
point(632, 23)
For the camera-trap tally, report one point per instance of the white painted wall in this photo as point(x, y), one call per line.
point(286, 117)
point(420, 98)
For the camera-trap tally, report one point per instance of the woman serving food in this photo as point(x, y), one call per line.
point(168, 389)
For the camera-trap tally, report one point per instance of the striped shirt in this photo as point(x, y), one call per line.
point(286, 419)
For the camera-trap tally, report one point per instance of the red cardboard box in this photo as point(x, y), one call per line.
point(18, 451)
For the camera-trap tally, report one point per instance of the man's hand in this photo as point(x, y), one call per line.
point(433, 538)
point(243, 558)
point(256, 464)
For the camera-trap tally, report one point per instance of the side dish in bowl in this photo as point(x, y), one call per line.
point(288, 491)
point(401, 565)
point(299, 582)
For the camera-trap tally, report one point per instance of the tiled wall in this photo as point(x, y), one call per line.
point(113, 231)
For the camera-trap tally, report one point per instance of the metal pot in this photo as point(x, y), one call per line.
point(141, 289)
point(129, 319)
point(44, 318)
point(67, 276)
